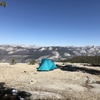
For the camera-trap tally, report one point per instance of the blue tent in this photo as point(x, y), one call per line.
point(46, 65)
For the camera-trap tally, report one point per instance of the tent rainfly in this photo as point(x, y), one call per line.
point(46, 65)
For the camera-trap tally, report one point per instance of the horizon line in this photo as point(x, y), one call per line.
point(48, 45)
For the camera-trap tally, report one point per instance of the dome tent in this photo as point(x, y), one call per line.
point(46, 65)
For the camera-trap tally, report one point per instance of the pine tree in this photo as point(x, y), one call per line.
point(2, 3)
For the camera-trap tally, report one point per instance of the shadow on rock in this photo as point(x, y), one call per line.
point(75, 68)
point(12, 94)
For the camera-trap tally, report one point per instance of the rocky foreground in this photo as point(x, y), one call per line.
point(69, 82)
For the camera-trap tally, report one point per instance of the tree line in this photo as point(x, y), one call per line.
point(93, 60)
point(14, 61)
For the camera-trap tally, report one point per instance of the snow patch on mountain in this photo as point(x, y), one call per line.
point(50, 48)
point(40, 58)
point(67, 54)
point(2, 48)
point(42, 49)
point(77, 53)
point(55, 55)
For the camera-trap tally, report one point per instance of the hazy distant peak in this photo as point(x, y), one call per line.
point(24, 53)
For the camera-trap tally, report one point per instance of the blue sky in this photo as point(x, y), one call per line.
point(50, 22)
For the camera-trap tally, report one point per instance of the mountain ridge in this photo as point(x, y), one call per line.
point(25, 53)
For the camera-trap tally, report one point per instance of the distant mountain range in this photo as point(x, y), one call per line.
point(25, 53)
